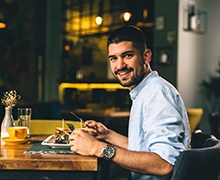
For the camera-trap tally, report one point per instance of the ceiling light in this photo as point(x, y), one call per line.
point(98, 20)
point(2, 22)
point(2, 25)
point(126, 16)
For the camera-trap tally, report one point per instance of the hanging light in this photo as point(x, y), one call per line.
point(99, 20)
point(126, 16)
point(145, 14)
point(2, 25)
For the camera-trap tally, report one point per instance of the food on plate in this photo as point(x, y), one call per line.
point(62, 135)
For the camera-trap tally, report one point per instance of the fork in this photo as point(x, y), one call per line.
point(81, 120)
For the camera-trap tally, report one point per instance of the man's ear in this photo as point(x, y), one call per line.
point(147, 56)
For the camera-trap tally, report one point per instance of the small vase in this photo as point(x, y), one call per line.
point(8, 121)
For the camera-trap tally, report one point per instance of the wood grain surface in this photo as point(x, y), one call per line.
point(13, 158)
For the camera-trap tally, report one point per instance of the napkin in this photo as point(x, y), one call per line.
point(37, 148)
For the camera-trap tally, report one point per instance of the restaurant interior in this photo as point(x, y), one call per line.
point(53, 53)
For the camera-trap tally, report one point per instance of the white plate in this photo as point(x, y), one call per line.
point(54, 145)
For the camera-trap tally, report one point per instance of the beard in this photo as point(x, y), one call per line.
point(135, 78)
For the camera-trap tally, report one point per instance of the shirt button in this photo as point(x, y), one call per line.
point(162, 130)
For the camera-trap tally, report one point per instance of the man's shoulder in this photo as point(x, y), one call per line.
point(158, 82)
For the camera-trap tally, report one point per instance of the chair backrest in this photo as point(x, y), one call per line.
point(45, 126)
point(199, 164)
point(194, 115)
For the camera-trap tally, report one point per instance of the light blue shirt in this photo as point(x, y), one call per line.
point(158, 121)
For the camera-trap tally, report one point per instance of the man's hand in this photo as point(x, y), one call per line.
point(97, 129)
point(82, 142)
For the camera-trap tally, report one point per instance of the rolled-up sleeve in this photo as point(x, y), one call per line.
point(163, 125)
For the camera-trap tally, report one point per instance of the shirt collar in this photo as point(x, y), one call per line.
point(134, 92)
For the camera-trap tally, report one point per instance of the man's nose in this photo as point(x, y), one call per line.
point(120, 63)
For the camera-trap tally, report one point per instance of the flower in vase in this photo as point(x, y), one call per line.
point(10, 98)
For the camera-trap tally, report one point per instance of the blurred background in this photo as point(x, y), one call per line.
point(53, 52)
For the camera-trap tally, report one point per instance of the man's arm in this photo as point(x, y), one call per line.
point(142, 162)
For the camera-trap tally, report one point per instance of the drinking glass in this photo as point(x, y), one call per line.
point(24, 118)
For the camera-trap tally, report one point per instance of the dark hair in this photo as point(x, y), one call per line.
point(128, 33)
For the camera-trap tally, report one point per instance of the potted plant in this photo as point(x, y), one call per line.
point(211, 90)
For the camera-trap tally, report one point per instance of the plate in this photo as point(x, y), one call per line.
point(47, 142)
point(9, 141)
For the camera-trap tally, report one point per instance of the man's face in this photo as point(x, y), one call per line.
point(126, 63)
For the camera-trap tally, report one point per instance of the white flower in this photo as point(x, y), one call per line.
point(10, 98)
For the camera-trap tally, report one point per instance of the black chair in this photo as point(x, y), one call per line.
point(199, 164)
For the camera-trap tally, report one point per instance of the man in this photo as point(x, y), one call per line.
point(158, 124)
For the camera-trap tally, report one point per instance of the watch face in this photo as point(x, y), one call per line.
point(108, 152)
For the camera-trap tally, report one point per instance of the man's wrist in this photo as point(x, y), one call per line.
point(108, 135)
point(108, 152)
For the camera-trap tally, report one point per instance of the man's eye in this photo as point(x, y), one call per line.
point(128, 55)
point(112, 59)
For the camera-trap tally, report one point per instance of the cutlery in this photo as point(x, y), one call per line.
point(78, 117)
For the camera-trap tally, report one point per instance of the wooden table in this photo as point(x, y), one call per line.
point(14, 164)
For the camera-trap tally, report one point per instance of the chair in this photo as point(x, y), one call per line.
point(214, 120)
point(199, 164)
point(194, 115)
point(45, 126)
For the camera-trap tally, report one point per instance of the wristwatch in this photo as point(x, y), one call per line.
point(108, 152)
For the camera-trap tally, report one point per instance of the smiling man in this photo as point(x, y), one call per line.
point(158, 124)
point(128, 65)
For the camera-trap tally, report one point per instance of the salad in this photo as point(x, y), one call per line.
point(62, 135)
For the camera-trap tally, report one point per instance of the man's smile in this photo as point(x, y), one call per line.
point(124, 73)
